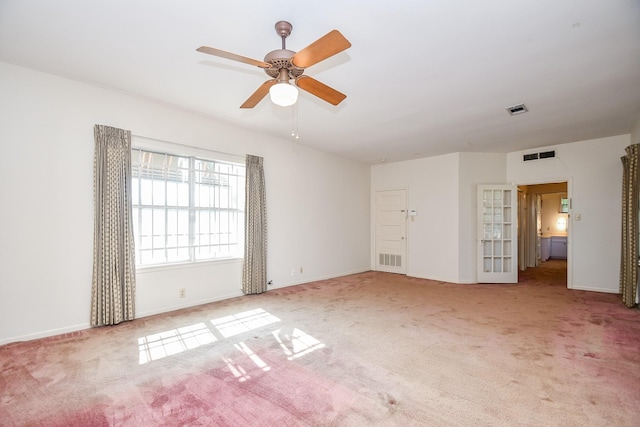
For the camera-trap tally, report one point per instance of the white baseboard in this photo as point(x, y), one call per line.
point(82, 326)
point(188, 304)
point(606, 291)
point(79, 327)
point(302, 281)
point(46, 334)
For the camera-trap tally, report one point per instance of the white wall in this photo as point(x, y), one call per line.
point(635, 132)
point(441, 239)
point(432, 235)
point(475, 168)
point(594, 171)
point(318, 204)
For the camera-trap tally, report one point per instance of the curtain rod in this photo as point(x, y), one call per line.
point(186, 145)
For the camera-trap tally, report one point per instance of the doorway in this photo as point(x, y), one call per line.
point(543, 231)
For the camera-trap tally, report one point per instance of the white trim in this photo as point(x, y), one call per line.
point(448, 280)
point(186, 265)
point(570, 262)
point(46, 334)
point(169, 309)
point(606, 291)
point(83, 326)
point(318, 279)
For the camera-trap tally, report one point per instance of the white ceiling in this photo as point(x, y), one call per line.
point(422, 78)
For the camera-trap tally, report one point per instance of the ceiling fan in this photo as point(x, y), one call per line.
point(284, 65)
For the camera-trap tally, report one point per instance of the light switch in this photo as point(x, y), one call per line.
point(578, 217)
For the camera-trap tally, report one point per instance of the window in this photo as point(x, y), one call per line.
point(186, 208)
point(564, 205)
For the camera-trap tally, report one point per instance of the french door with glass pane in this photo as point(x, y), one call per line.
point(497, 234)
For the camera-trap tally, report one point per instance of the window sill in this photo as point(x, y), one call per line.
point(186, 265)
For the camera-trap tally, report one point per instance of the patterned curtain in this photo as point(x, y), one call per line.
point(254, 272)
point(113, 285)
point(630, 219)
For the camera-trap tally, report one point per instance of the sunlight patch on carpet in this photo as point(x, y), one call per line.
point(237, 370)
point(243, 322)
point(297, 344)
point(167, 343)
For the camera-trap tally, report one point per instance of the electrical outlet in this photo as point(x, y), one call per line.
point(293, 272)
point(182, 293)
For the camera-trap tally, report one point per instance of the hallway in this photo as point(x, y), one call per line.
point(551, 272)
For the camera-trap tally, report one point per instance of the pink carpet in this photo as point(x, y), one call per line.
point(367, 349)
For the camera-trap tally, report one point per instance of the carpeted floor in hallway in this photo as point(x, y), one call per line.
point(367, 349)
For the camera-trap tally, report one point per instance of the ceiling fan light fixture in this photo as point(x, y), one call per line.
point(283, 94)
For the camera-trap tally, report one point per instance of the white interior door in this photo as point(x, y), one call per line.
point(497, 234)
point(391, 231)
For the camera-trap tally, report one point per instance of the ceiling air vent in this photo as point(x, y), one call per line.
point(540, 155)
point(517, 109)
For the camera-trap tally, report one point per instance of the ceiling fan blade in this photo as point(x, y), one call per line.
point(257, 96)
point(326, 46)
point(320, 90)
point(233, 56)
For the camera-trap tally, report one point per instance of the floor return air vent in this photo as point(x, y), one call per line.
point(390, 260)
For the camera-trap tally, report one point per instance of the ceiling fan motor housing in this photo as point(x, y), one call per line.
point(280, 59)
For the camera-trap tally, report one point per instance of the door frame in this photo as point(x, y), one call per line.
point(531, 226)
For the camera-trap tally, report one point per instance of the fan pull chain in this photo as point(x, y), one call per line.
point(294, 121)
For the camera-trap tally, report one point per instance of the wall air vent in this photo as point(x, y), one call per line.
point(517, 109)
point(540, 155)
